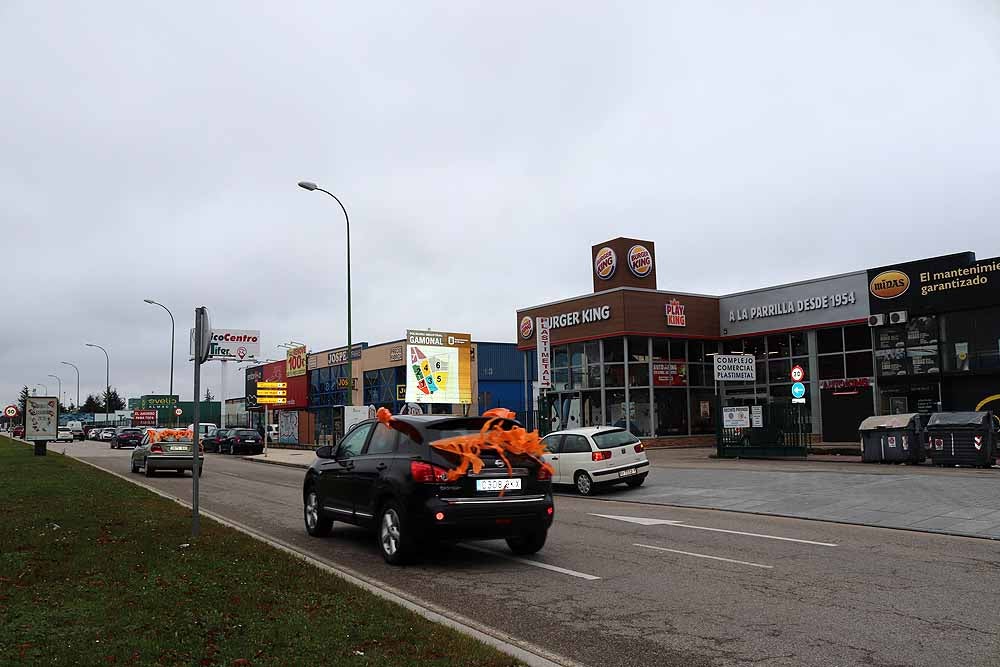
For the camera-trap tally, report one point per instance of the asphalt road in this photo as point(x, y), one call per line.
point(718, 588)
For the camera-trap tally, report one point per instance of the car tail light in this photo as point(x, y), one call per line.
point(550, 510)
point(600, 456)
point(439, 516)
point(639, 448)
point(544, 474)
point(424, 472)
point(156, 449)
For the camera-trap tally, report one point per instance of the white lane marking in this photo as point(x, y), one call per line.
point(688, 553)
point(680, 524)
point(544, 566)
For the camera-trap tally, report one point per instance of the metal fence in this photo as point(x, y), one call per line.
point(785, 431)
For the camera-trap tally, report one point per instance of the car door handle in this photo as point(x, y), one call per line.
point(381, 466)
point(555, 458)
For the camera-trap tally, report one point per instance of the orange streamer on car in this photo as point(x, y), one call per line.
point(491, 437)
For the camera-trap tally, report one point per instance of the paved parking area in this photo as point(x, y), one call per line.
point(961, 501)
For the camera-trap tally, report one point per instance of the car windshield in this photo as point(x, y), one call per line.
point(612, 439)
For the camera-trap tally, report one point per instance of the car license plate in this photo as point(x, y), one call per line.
point(178, 449)
point(509, 483)
point(626, 473)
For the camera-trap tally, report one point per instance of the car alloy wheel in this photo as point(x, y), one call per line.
point(583, 484)
point(389, 533)
point(317, 525)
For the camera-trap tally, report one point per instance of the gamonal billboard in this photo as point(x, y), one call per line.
point(439, 368)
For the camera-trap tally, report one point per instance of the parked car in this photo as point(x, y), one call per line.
point(18, 431)
point(162, 452)
point(596, 456)
point(64, 435)
point(241, 441)
point(203, 428)
point(394, 482)
point(77, 428)
point(94, 431)
point(126, 436)
point(272, 433)
point(107, 434)
point(211, 440)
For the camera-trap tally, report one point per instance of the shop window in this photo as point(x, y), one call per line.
point(761, 370)
point(831, 367)
point(324, 380)
point(371, 379)
point(640, 418)
point(661, 349)
point(671, 411)
point(858, 337)
point(560, 379)
point(700, 375)
point(614, 375)
point(614, 350)
point(678, 350)
point(576, 355)
point(779, 346)
point(590, 407)
point(800, 344)
point(560, 356)
point(696, 348)
point(615, 407)
point(754, 346)
point(859, 364)
point(592, 348)
point(638, 375)
point(578, 378)
point(594, 376)
point(829, 340)
point(702, 411)
point(778, 370)
point(313, 382)
point(638, 348)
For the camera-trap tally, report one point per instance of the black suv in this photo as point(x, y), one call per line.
point(392, 480)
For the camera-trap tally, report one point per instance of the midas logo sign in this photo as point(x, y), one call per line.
point(889, 284)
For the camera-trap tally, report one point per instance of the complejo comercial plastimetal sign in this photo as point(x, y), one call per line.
point(232, 344)
point(730, 367)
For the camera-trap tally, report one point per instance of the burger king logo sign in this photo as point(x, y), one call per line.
point(527, 327)
point(640, 261)
point(889, 284)
point(605, 263)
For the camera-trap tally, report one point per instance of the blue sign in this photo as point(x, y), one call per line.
point(798, 390)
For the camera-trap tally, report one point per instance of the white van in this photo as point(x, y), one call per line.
point(203, 428)
point(76, 428)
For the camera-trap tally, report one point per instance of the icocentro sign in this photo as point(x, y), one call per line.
point(889, 284)
point(605, 263)
point(640, 261)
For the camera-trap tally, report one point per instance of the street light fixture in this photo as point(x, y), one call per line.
point(45, 387)
point(60, 385)
point(172, 330)
point(307, 185)
point(107, 377)
point(77, 382)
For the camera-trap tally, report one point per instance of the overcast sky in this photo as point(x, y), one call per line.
point(151, 150)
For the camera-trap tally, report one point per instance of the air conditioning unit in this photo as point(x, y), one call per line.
point(876, 320)
point(897, 317)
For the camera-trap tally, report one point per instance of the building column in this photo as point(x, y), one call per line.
point(812, 393)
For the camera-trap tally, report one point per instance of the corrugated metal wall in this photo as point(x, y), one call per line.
point(499, 362)
point(503, 394)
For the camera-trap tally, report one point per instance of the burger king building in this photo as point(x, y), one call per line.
point(867, 342)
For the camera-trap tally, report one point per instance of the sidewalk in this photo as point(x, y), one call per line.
point(293, 458)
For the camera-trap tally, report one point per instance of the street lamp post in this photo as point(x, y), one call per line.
point(43, 386)
point(60, 386)
point(77, 382)
point(306, 185)
point(107, 384)
point(172, 329)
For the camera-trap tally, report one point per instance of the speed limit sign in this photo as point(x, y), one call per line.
point(10, 411)
point(798, 374)
point(178, 412)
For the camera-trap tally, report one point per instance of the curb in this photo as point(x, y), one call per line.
point(276, 463)
point(529, 653)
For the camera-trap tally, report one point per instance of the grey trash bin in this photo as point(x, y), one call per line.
point(893, 438)
point(962, 439)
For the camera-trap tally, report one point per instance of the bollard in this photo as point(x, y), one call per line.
point(41, 447)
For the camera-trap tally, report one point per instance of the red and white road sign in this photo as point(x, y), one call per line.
point(178, 412)
point(798, 373)
point(10, 411)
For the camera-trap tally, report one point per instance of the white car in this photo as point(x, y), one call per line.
point(596, 456)
point(64, 435)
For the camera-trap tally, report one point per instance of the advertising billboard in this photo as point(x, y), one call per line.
point(439, 368)
point(231, 344)
point(157, 402)
point(295, 361)
point(935, 285)
point(253, 375)
point(296, 388)
point(144, 417)
point(41, 418)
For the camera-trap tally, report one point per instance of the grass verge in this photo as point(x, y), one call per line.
point(97, 571)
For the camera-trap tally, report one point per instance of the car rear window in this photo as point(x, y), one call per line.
point(132, 431)
point(453, 427)
point(612, 439)
point(247, 434)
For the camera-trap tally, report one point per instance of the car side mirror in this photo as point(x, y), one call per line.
point(324, 452)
